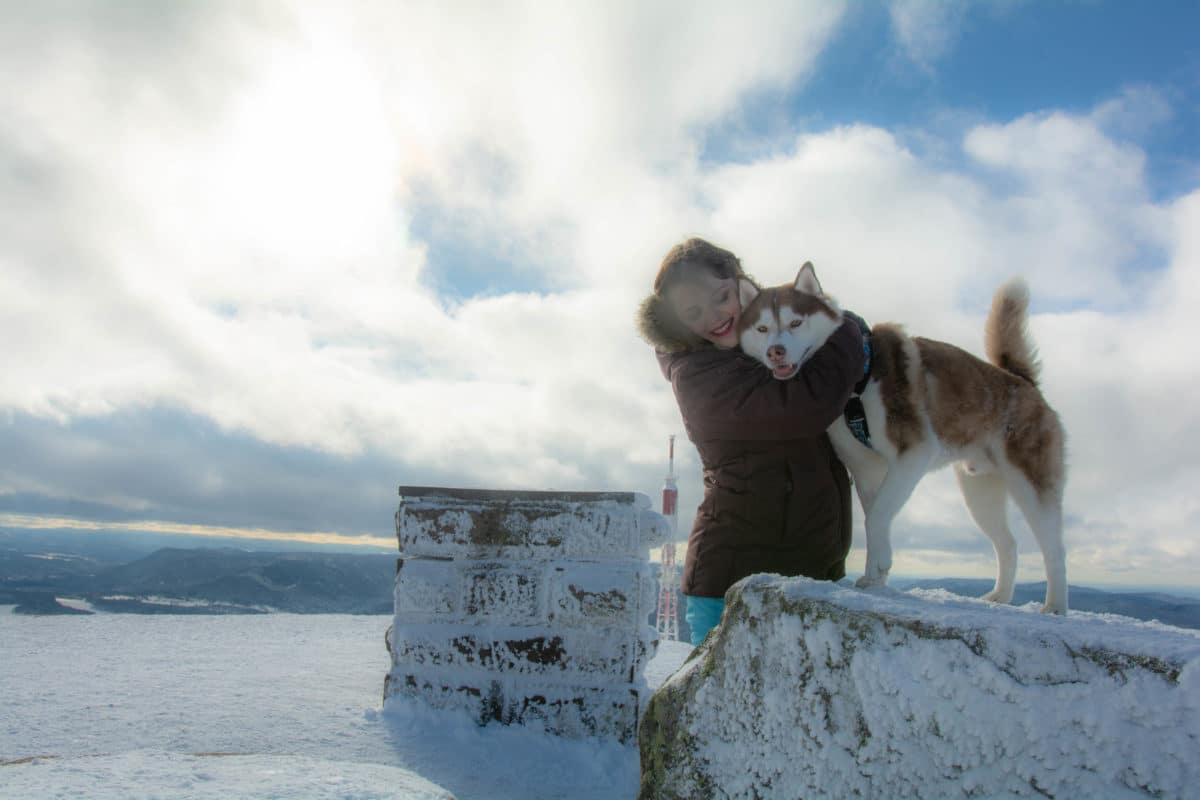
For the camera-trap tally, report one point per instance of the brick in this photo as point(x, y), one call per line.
point(500, 592)
point(599, 594)
point(575, 711)
point(427, 587)
point(586, 657)
point(479, 523)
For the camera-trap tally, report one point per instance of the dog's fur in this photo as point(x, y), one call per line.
point(929, 404)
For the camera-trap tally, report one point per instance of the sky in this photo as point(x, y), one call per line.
point(262, 263)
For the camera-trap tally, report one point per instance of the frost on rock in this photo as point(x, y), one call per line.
point(811, 689)
point(525, 607)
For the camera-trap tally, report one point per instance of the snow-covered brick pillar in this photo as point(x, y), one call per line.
point(811, 689)
point(525, 607)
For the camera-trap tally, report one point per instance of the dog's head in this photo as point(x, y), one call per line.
point(783, 325)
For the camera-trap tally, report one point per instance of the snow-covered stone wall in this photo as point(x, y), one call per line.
point(812, 689)
point(525, 607)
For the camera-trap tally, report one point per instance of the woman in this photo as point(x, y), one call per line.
point(776, 498)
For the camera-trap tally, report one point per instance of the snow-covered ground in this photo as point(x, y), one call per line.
point(251, 706)
point(211, 777)
point(813, 688)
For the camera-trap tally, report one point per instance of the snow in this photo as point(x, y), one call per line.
point(668, 659)
point(75, 603)
point(934, 695)
point(214, 776)
point(114, 706)
point(159, 600)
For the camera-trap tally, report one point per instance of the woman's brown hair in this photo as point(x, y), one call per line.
point(695, 252)
point(656, 320)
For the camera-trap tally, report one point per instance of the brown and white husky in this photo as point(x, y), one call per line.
point(928, 404)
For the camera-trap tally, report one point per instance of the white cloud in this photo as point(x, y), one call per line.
point(1083, 197)
point(541, 121)
point(245, 255)
point(926, 30)
point(1134, 112)
point(875, 221)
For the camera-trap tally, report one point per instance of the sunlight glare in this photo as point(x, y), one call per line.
point(307, 160)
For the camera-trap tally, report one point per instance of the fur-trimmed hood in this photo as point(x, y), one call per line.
point(658, 326)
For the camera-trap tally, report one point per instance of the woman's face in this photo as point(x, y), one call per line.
point(707, 306)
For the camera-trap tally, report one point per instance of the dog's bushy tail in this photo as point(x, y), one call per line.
point(1006, 338)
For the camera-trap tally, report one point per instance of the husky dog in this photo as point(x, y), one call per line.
point(927, 404)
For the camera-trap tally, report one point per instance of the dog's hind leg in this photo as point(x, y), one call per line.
point(898, 484)
point(1043, 512)
point(986, 495)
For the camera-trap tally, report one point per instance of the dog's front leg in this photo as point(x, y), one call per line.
point(879, 553)
point(898, 484)
point(866, 467)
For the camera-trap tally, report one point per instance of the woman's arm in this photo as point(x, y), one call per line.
point(725, 394)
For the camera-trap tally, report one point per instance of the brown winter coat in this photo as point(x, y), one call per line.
point(776, 497)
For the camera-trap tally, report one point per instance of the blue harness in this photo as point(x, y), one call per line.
point(855, 414)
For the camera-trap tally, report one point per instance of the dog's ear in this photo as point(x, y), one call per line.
point(806, 280)
point(747, 291)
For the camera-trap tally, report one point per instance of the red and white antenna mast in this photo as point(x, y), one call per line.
point(667, 623)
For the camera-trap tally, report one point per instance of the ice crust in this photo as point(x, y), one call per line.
point(812, 689)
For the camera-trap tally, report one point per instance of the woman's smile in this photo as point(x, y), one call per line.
point(708, 306)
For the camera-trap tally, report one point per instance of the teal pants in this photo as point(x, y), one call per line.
point(702, 615)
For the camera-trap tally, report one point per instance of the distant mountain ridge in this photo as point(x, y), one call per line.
point(1182, 612)
point(117, 576)
point(201, 580)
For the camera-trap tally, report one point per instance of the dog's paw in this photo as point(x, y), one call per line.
point(870, 581)
point(1002, 598)
point(1055, 609)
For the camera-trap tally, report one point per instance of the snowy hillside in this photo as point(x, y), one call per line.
point(208, 580)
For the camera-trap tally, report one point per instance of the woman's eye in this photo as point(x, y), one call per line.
point(723, 297)
point(761, 329)
point(797, 322)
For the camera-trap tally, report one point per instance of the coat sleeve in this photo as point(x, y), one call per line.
point(725, 394)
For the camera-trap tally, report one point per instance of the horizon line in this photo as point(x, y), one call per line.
point(39, 522)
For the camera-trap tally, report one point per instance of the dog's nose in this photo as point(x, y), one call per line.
point(776, 351)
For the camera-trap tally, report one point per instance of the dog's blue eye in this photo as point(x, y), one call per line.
point(796, 323)
point(761, 329)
